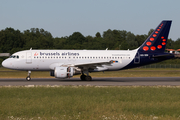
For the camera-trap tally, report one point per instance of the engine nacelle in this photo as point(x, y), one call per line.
point(63, 72)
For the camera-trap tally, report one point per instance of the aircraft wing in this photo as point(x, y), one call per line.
point(98, 65)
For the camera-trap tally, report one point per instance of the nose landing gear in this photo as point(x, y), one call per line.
point(28, 78)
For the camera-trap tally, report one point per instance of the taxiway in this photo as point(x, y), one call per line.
point(122, 81)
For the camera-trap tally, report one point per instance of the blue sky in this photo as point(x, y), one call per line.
point(63, 17)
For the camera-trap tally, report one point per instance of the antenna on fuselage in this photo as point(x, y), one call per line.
point(106, 48)
point(30, 48)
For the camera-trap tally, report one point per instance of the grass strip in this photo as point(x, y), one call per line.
point(84, 102)
point(137, 72)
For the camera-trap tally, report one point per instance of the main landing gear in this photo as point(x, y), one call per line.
point(84, 77)
point(28, 78)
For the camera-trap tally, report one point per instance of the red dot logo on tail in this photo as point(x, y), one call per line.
point(148, 43)
point(153, 48)
point(163, 43)
point(159, 46)
point(164, 40)
point(145, 48)
point(151, 39)
point(156, 42)
point(154, 35)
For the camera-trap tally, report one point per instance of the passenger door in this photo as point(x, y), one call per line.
point(28, 58)
point(137, 58)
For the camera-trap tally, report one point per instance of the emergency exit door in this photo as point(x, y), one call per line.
point(28, 58)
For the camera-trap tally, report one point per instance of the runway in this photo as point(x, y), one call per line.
point(121, 81)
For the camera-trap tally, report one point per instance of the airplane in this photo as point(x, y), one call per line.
point(66, 63)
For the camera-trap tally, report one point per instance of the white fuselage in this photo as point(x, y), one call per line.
point(45, 60)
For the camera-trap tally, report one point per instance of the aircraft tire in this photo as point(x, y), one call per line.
point(28, 78)
point(83, 77)
point(88, 78)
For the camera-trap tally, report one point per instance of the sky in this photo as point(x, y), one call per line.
point(64, 17)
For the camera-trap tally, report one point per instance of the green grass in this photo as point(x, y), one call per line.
point(123, 103)
point(136, 72)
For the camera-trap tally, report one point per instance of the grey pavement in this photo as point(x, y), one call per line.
point(120, 81)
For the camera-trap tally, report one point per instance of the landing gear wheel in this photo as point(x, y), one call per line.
point(28, 78)
point(88, 78)
point(83, 77)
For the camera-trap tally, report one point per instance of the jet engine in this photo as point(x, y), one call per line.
point(62, 72)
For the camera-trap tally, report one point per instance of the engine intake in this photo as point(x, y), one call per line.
point(62, 72)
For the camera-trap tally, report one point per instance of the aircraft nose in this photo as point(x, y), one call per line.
point(5, 64)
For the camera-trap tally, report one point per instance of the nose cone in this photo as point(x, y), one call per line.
point(6, 63)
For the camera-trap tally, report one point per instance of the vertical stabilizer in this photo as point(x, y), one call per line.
point(157, 41)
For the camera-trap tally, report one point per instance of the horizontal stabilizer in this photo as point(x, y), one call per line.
point(162, 55)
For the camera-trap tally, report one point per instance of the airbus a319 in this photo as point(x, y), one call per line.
point(66, 63)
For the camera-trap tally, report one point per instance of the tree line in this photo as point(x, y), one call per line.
point(12, 40)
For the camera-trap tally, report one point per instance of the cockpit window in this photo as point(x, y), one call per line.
point(14, 56)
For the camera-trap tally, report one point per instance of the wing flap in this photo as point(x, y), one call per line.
point(97, 63)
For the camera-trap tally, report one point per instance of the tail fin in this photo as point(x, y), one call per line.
point(157, 41)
